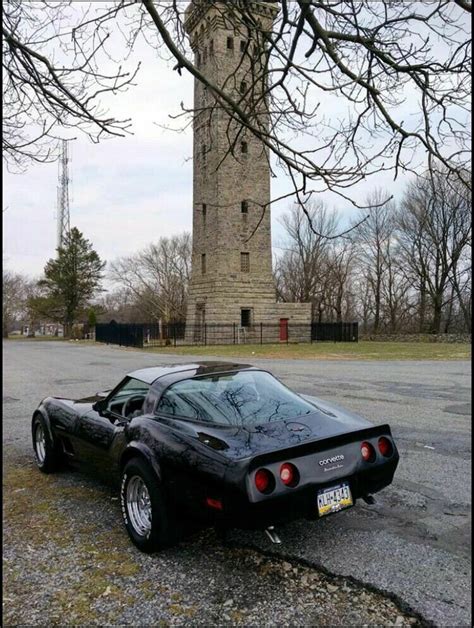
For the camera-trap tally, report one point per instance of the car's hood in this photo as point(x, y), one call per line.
point(326, 421)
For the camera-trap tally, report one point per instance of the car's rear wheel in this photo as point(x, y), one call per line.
point(145, 510)
point(46, 453)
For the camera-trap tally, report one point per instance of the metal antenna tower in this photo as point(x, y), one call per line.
point(63, 217)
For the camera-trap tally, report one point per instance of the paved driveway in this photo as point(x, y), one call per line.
point(413, 543)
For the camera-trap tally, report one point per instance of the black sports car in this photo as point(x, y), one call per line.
point(216, 441)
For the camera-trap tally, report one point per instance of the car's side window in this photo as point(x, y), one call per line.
point(128, 400)
point(232, 399)
point(195, 399)
point(174, 404)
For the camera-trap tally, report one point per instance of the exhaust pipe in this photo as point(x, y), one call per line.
point(272, 535)
point(369, 499)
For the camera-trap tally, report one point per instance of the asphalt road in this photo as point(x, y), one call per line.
point(415, 542)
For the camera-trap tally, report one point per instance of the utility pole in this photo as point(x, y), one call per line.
point(63, 217)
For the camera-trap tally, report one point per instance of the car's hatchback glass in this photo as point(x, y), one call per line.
point(242, 398)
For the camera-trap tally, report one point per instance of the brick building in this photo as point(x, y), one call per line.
point(232, 278)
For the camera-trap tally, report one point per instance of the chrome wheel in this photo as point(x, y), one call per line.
point(40, 443)
point(139, 505)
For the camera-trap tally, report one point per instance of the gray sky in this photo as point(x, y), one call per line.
point(127, 192)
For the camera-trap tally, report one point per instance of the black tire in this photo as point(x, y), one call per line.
point(161, 532)
point(46, 454)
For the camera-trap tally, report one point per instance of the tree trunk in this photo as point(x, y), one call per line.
point(465, 309)
point(339, 308)
point(437, 313)
point(393, 321)
point(447, 323)
point(422, 311)
point(467, 315)
point(377, 309)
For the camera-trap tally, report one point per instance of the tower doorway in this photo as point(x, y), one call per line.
point(283, 329)
point(200, 322)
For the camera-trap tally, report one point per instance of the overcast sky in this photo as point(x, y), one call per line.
point(126, 192)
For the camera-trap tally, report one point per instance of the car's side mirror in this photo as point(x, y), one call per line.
point(99, 406)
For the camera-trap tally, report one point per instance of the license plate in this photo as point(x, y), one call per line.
point(334, 498)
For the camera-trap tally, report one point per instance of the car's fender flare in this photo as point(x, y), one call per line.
point(42, 412)
point(140, 450)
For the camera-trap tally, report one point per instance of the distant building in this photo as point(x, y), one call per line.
point(42, 329)
point(232, 279)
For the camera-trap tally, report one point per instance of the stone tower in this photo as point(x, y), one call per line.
point(232, 278)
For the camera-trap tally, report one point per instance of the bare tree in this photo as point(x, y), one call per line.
point(53, 53)
point(158, 278)
point(300, 271)
point(363, 58)
point(397, 305)
point(15, 288)
point(313, 268)
point(119, 305)
point(435, 234)
point(338, 293)
point(461, 282)
point(374, 237)
point(364, 301)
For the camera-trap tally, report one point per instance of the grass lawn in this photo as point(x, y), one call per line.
point(364, 350)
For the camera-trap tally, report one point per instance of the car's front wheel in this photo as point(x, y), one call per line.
point(144, 507)
point(46, 454)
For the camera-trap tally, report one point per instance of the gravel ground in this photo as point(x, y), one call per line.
point(405, 561)
point(67, 560)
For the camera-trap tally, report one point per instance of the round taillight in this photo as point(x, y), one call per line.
point(289, 474)
point(385, 447)
point(367, 451)
point(264, 481)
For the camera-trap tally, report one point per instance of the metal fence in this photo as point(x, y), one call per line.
point(180, 334)
point(123, 334)
point(335, 332)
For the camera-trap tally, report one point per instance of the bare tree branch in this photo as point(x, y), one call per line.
point(336, 92)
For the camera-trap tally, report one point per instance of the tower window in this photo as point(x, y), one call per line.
point(244, 147)
point(204, 211)
point(211, 46)
point(230, 43)
point(245, 317)
point(245, 262)
point(203, 264)
point(244, 208)
point(243, 87)
point(243, 45)
point(203, 151)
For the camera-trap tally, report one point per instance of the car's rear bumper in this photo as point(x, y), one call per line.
point(298, 504)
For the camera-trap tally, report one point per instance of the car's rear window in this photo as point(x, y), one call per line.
point(243, 398)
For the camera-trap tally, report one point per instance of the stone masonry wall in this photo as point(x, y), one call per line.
point(224, 179)
point(466, 338)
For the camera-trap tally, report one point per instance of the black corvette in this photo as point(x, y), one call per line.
point(226, 443)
